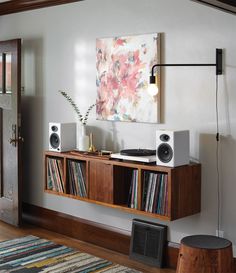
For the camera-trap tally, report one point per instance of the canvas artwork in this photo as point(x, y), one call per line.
point(123, 69)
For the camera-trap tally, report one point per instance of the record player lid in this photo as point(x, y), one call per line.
point(138, 152)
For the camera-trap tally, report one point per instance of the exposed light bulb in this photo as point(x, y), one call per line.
point(153, 86)
point(153, 89)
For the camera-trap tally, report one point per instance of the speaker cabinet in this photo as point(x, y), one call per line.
point(62, 136)
point(147, 242)
point(172, 148)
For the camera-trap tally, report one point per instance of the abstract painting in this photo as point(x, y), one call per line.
point(123, 68)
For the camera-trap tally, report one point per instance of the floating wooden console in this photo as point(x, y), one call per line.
point(146, 189)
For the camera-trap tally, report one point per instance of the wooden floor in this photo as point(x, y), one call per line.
point(8, 232)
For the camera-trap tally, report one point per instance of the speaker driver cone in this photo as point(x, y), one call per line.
point(165, 153)
point(54, 140)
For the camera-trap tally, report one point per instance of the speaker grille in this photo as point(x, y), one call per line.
point(54, 140)
point(165, 153)
point(147, 242)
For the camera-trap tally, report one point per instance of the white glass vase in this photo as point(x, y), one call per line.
point(83, 140)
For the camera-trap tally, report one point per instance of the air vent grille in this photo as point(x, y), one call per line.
point(147, 242)
point(139, 245)
point(152, 244)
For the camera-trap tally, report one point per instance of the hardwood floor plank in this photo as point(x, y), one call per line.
point(8, 232)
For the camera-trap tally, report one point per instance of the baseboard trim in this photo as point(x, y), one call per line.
point(77, 228)
point(88, 231)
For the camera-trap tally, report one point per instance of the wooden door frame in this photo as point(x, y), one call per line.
point(23, 5)
point(13, 47)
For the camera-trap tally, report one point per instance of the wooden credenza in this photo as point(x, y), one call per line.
point(145, 189)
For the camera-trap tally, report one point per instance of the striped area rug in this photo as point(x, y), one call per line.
point(31, 254)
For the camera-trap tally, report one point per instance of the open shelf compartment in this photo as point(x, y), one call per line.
point(126, 186)
point(54, 174)
point(155, 192)
point(76, 178)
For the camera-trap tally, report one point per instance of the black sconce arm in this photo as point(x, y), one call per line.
point(218, 65)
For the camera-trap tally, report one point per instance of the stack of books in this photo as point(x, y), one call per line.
point(155, 193)
point(55, 175)
point(77, 185)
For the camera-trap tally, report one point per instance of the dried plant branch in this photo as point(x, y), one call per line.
point(82, 119)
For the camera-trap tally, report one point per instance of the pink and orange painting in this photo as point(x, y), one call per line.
point(123, 68)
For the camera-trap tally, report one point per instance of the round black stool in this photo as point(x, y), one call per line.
point(205, 254)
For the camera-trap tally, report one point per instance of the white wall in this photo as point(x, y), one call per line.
point(59, 53)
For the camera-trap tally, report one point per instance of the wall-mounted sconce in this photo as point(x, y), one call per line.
point(153, 84)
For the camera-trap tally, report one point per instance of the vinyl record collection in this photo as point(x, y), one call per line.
point(55, 175)
point(133, 191)
point(77, 185)
point(155, 193)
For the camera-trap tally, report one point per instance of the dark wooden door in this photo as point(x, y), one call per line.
point(10, 125)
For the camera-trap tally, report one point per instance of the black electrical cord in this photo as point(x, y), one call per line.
point(217, 160)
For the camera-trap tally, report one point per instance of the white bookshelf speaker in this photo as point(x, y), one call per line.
point(62, 136)
point(172, 148)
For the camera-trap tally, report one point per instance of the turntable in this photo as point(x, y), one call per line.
point(141, 155)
